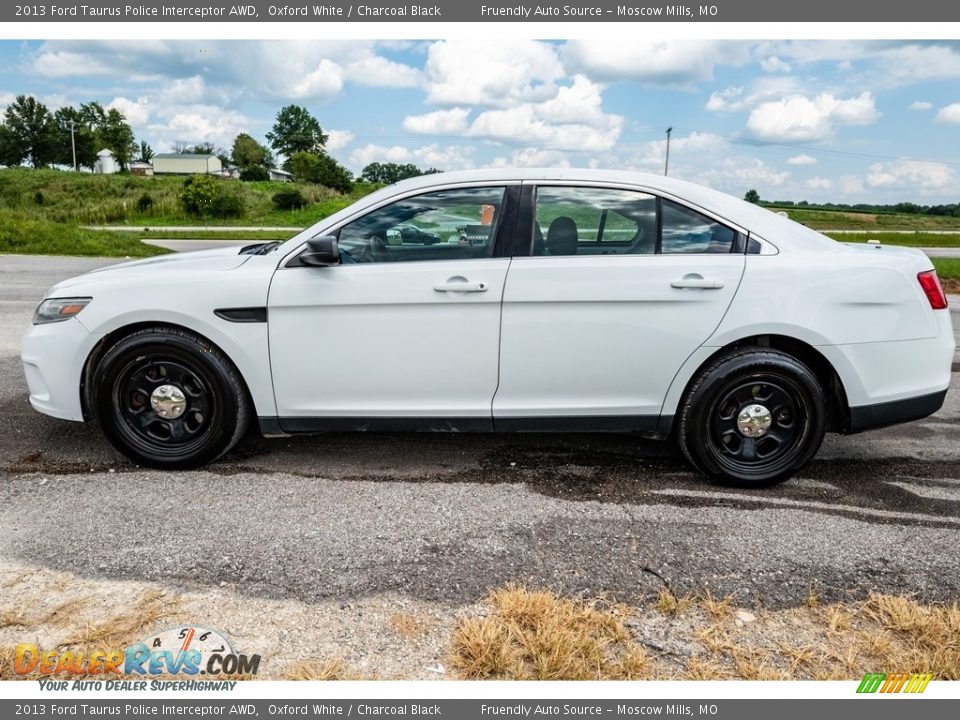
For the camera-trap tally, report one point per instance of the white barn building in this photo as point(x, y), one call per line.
point(186, 164)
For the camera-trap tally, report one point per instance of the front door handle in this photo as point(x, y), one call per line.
point(697, 282)
point(460, 284)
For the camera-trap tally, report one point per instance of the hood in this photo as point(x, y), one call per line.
point(213, 260)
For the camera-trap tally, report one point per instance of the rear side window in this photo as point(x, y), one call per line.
point(687, 231)
point(594, 221)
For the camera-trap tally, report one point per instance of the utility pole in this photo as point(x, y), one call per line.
point(72, 126)
point(666, 164)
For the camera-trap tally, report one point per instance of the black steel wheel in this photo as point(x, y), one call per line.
point(168, 398)
point(753, 417)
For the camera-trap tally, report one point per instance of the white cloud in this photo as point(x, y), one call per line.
point(736, 175)
point(439, 122)
point(338, 139)
point(572, 118)
point(851, 185)
point(137, 112)
point(803, 118)
point(920, 105)
point(325, 80)
point(377, 71)
point(533, 157)
point(656, 62)
point(725, 100)
point(195, 124)
point(819, 183)
point(774, 64)
point(949, 114)
point(802, 159)
point(452, 157)
point(499, 73)
point(69, 64)
point(910, 175)
point(182, 90)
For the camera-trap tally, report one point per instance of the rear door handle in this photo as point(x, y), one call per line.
point(698, 282)
point(461, 285)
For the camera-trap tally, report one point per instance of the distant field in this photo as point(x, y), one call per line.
point(837, 220)
point(949, 274)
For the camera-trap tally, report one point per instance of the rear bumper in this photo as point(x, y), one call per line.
point(868, 417)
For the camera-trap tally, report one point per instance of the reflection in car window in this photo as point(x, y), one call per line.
point(594, 221)
point(444, 225)
point(687, 231)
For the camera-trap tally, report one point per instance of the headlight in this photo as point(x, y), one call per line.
point(57, 309)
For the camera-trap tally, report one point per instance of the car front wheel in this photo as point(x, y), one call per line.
point(167, 398)
point(754, 416)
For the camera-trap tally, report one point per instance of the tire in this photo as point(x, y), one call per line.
point(753, 417)
point(169, 371)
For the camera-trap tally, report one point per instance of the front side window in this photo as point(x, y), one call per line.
point(594, 221)
point(453, 224)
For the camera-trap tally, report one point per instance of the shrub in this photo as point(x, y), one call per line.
point(289, 199)
point(204, 195)
point(145, 203)
point(38, 198)
point(227, 204)
point(254, 173)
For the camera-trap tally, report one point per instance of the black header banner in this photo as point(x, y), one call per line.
point(479, 11)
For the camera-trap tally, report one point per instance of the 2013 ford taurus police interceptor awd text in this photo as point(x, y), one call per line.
point(501, 301)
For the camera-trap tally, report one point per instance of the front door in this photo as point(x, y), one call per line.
point(405, 331)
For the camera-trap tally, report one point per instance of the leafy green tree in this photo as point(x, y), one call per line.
point(10, 154)
point(146, 153)
point(117, 135)
point(388, 173)
point(320, 169)
point(204, 148)
point(31, 133)
point(84, 139)
point(253, 159)
point(111, 131)
point(296, 131)
point(752, 196)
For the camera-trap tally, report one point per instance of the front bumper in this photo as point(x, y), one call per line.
point(53, 356)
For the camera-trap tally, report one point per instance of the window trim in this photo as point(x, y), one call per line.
point(528, 209)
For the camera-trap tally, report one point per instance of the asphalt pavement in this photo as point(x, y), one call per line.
point(445, 517)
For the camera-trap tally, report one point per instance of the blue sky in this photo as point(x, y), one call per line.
point(845, 121)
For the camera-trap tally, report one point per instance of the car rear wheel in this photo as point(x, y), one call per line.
point(167, 398)
point(753, 417)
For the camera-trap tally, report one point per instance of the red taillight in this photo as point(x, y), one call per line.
point(932, 289)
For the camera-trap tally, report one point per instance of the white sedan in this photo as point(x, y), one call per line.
point(546, 300)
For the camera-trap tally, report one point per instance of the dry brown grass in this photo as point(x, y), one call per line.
point(14, 618)
point(717, 607)
point(536, 635)
point(128, 625)
point(670, 604)
point(320, 670)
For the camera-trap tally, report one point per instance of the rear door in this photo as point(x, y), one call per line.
point(616, 290)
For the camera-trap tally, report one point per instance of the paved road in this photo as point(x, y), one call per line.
point(443, 517)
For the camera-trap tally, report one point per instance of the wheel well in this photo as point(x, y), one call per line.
point(838, 409)
point(87, 404)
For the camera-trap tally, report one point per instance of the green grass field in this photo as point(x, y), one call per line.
point(911, 240)
point(837, 220)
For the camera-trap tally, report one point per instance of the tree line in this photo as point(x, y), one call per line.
point(33, 135)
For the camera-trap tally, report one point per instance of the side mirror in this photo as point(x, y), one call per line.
point(322, 251)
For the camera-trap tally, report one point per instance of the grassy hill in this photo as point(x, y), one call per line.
point(842, 220)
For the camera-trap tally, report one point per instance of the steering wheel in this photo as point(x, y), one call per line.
point(374, 251)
